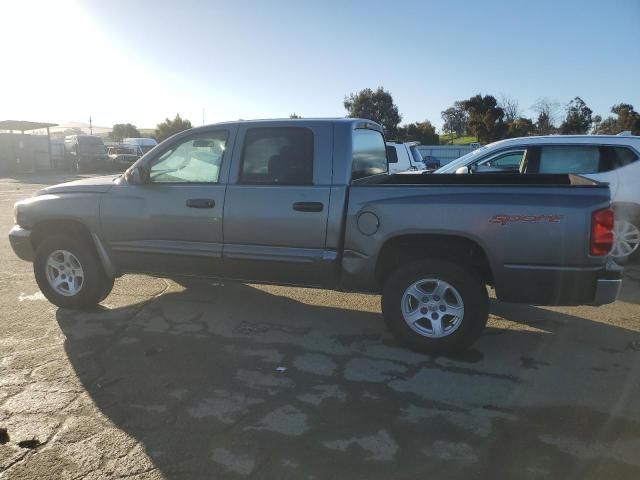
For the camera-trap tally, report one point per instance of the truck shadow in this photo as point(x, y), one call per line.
point(194, 376)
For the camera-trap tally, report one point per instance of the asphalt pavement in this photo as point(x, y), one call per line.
point(212, 380)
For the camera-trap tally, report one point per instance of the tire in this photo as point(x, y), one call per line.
point(459, 286)
point(83, 262)
point(629, 232)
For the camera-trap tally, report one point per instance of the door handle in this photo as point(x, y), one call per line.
point(308, 206)
point(201, 203)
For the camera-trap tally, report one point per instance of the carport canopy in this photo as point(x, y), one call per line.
point(24, 126)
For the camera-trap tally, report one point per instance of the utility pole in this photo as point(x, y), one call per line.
point(203, 116)
point(90, 126)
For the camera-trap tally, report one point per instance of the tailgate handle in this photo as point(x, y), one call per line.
point(308, 206)
point(201, 203)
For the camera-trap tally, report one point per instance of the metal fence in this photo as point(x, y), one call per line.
point(444, 154)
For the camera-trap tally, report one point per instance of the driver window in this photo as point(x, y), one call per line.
point(195, 159)
point(506, 161)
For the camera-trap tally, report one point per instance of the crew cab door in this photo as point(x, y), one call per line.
point(277, 203)
point(172, 224)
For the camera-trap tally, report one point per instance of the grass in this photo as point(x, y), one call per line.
point(464, 140)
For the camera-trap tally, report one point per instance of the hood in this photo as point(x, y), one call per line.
point(86, 185)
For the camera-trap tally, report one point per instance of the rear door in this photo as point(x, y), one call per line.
point(277, 203)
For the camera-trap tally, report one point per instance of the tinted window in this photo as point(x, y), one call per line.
point(569, 159)
point(196, 159)
point(615, 157)
point(369, 155)
point(392, 155)
point(416, 154)
point(280, 155)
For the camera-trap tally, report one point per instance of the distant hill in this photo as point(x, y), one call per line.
point(464, 140)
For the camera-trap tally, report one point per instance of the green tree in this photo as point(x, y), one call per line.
point(374, 105)
point(578, 119)
point(423, 132)
point(520, 127)
point(294, 115)
point(455, 120)
point(626, 119)
point(485, 118)
point(121, 131)
point(170, 127)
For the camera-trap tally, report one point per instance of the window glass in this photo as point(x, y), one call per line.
point(196, 159)
point(507, 161)
point(615, 157)
point(279, 155)
point(569, 159)
point(392, 155)
point(417, 158)
point(369, 155)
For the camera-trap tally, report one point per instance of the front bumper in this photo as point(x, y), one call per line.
point(20, 240)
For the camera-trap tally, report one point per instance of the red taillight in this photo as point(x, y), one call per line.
point(601, 232)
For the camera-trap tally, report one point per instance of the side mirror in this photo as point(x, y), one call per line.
point(136, 176)
point(463, 170)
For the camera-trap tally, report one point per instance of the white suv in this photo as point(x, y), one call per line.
point(403, 157)
point(605, 158)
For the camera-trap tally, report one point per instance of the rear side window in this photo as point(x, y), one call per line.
point(569, 159)
point(584, 159)
point(369, 156)
point(392, 155)
point(612, 158)
point(278, 156)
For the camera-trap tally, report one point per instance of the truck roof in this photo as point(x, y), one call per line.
point(297, 121)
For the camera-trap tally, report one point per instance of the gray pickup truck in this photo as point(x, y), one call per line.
point(310, 203)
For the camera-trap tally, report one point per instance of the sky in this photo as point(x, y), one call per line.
point(142, 61)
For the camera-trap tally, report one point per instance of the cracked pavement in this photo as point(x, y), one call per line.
point(211, 380)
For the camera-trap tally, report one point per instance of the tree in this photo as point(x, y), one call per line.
point(547, 111)
point(511, 108)
point(423, 132)
point(455, 120)
point(578, 119)
point(294, 115)
point(520, 127)
point(374, 105)
point(121, 131)
point(171, 127)
point(486, 118)
point(626, 119)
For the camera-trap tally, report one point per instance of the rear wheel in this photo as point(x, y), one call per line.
point(435, 306)
point(69, 273)
point(626, 240)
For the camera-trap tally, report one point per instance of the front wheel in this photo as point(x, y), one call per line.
point(69, 273)
point(435, 307)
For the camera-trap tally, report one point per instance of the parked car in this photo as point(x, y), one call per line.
point(310, 203)
point(122, 156)
point(404, 157)
point(605, 158)
point(84, 153)
point(140, 146)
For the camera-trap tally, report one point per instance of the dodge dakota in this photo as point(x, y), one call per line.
point(310, 203)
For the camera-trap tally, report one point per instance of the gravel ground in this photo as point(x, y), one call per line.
point(236, 381)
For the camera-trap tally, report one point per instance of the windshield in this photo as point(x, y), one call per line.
point(462, 161)
point(415, 153)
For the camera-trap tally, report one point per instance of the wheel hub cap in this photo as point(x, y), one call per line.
point(626, 239)
point(432, 308)
point(64, 273)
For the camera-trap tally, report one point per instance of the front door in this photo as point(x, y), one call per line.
point(277, 203)
point(173, 223)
